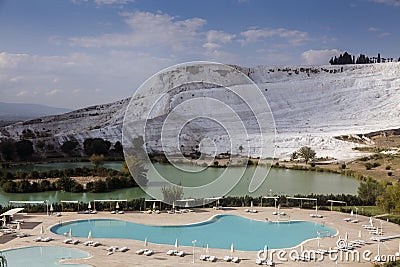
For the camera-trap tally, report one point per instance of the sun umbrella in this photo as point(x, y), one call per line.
point(207, 250)
point(351, 213)
point(41, 230)
point(51, 208)
point(154, 205)
point(90, 235)
point(18, 226)
point(265, 250)
point(187, 204)
point(4, 220)
point(117, 206)
point(251, 204)
point(232, 248)
point(176, 243)
point(89, 206)
point(173, 205)
point(145, 242)
point(346, 236)
point(318, 243)
point(70, 232)
point(370, 221)
point(359, 234)
point(301, 248)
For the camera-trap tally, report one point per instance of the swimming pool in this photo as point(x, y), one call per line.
point(39, 256)
point(218, 232)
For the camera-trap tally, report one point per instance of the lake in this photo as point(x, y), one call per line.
point(279, 181)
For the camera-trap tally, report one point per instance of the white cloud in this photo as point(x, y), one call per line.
point(374, 29)
point(105, 2)
point(148, 29)
point(388, 2)
point(112, 2)
point(211, 46)
point(30, 78)
point(53, 92)
point(214, 36)
point(293, 37)
point(319, 57)
point(22, 93)
point(384, 34)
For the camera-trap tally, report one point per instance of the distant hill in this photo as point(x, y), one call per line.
point(311, 106)
point(19, 111)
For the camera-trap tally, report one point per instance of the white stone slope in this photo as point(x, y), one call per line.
point(310, 104)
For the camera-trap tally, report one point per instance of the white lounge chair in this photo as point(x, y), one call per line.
point(236, 260)
point(171, 252)
point(148, 253)
point(270, 263)
point(259, 262)
point(86, 243)
point(75, 242)
point(121, 212)
point(113, 212)
point(227, 258)
point(20, 235)
point(46, 239)
point(112, 248)
point(212, 258)
point(95, 244)
point(37, 239)
point(180, 254)
point(123, 249)
point(140, 251)
point(67, 241)
point(203, 257)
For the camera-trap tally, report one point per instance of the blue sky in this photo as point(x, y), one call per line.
point(75, 53)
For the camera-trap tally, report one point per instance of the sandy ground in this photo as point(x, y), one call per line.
point(99, 257)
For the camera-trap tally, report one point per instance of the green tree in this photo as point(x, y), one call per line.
point(306, 153)
point(136, 162)
point(389, 201)
point(293, 156)
point(68, 146)
point(97, 160)
point(118, 147)
point(7, 149)
point(172, 193)
point(369, 190)
point(96, 146)
point(65, 184)
point(24, 148)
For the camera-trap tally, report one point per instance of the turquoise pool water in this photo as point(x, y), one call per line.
point(218, 232)
point(39, 256)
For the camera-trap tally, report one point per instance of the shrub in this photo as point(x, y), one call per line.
point(390, 173)
point(388, 167)
point(368, 166)
point(376, 164)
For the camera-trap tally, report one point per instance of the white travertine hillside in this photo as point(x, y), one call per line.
point(310, 104)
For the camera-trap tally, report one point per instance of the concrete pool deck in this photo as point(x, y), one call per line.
point(33, 222)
